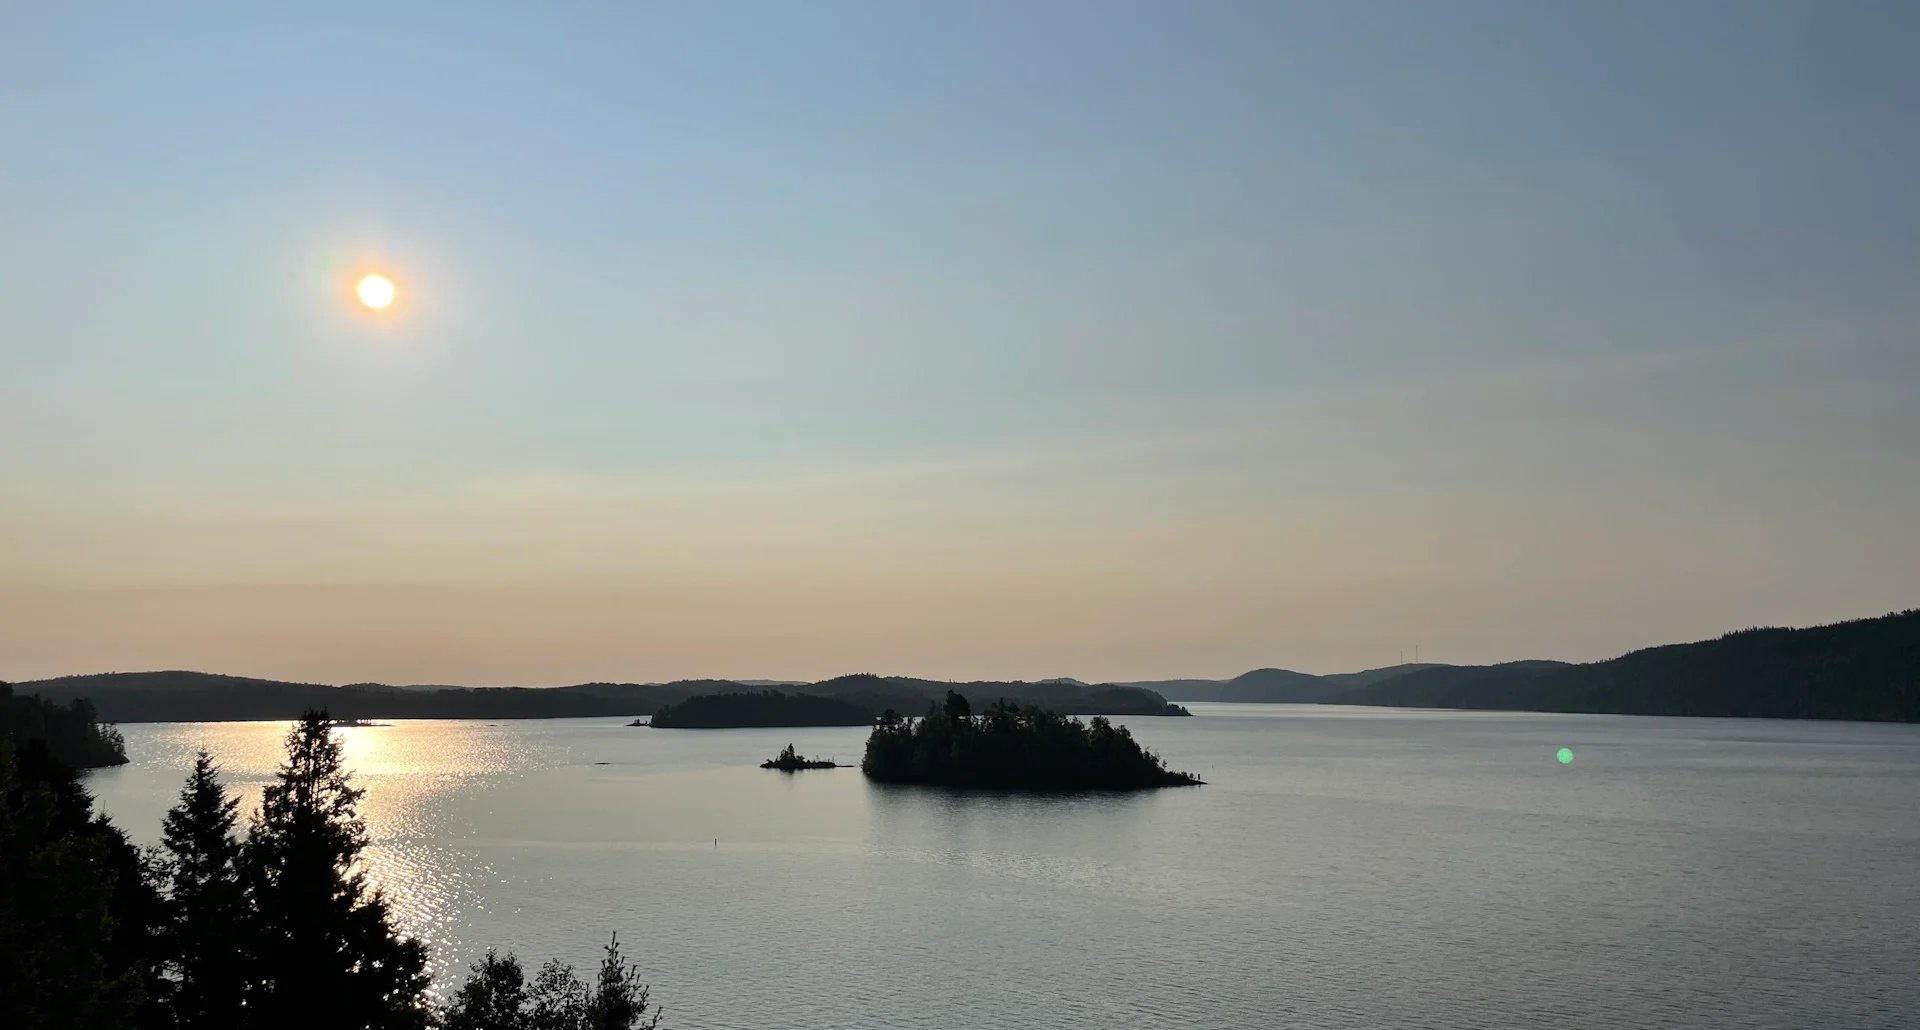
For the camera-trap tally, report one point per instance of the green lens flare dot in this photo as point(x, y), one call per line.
point(1565, 755)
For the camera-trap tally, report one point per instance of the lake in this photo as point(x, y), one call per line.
point(1343, 867)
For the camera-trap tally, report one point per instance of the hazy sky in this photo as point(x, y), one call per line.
point(1100, 339)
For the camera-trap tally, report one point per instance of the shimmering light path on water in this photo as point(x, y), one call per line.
point(1343, 868)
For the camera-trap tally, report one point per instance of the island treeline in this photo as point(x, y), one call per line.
point(269, 927)
point(760, 708)
point(1011, 746)
point(789, 760)
point(71, 733)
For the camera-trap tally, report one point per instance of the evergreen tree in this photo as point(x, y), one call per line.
point(206, 905)
point(559, 999)
point(619, 998)
point(325, 951)
point(63, 948)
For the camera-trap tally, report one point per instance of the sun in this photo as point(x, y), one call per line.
point(375, 291)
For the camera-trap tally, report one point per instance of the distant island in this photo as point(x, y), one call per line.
point(1011, 747)
point(760, 708)
point(792, 761)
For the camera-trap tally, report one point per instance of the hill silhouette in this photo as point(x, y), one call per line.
point(1867, 669)
point(760, 708)
point(1864, 669)
point(181, 696)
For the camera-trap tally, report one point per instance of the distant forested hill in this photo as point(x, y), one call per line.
point(761, 708)
point(176, 696)
point(1867, 669)
point(910, 696)
point(858, 700)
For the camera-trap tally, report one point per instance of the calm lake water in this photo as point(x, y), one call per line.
point(1343, 868)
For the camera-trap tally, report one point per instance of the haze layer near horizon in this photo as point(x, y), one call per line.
point(1113, 340)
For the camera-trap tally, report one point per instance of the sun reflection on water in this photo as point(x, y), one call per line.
point(405, 768)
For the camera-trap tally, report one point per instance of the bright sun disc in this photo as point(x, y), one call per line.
point(375, 291)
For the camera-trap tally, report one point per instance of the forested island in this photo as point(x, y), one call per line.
point(257, 927)
point(1011, 747)
point(760, 708)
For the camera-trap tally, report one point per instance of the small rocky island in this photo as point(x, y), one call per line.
point(1012, 747)
point(791, 761)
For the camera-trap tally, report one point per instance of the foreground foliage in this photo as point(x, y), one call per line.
point(1011, 746)
point(74, 911)
point(497, 996)
point(275, 928)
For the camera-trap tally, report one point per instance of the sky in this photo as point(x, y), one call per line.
point(967, 340)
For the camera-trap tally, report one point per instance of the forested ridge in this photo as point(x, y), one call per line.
point(1868, 670)
point(180, 696)
point(72, 733)
point(760, 708)
point(1864, 669)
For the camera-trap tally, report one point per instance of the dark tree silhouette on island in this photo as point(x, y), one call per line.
point(1011, 747)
